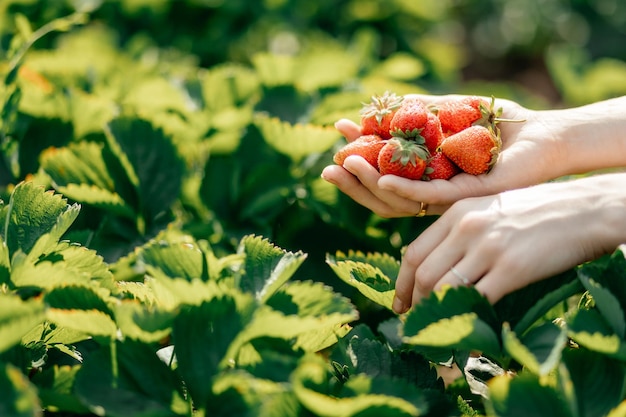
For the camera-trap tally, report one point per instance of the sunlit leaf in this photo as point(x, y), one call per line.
point(310, 383)
point(463, 332)
point(296, 141)
point(93, 322)
point(509, 396)
point(266, 266)
point(17, 318)
point(19, 397)
point(33, 212)
point(589, 329)
point(539, 350)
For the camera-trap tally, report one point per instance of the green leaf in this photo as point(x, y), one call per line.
point(229, 85)
point(524, 395)
point(55, 387)
point(310, 384)
point(299, 308)
point(373, 275)
point(598, 381)
point(19, 397)
point(589, 328)
point(91, 322)
point(296, 141)
point(540, 349)
point(239, 393)
point(151, 163)
point(266, 266)
point(17, 318)
point(33, 212)
point(455, 318)
point(274, 70)
point(82, 297)
point(82, 172)
point(545, 303)
point(141, 386)
point(461, 332)
point(181, 259)
point(607, 304)
point(213, 326)
point(146, 324)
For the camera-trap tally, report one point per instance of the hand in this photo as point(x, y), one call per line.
point(504, 242)
point(530, 155)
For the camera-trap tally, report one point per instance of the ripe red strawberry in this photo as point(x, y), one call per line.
point(404, 158)
point(367, 146)
point(432, 133)
point(474, 150)
point(377, 114)
point(440, 167)
point(456, 115)
point(409, 119)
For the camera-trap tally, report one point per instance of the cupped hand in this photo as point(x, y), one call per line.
point(530, 155)
point(504, 242)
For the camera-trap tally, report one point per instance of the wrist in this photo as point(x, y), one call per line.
point(591, 137)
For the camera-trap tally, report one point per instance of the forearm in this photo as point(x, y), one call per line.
point(591, 137)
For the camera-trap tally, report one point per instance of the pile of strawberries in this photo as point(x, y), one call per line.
point(405, 137)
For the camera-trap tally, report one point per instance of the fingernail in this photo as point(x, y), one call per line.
point(398, 305)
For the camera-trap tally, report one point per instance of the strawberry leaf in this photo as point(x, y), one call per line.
point(129, 380)
point(454, 318)
point(373, 275)
point(19, 395)
point(151, 164)
point(589, 329)
point(215, 325)
point(509, 396)
point(17, 317)
point(296, 141)
point(80, 172)
point(598, 381)
point(266, 266)
point(539, 350)
point(33, 212)
point(299, 309)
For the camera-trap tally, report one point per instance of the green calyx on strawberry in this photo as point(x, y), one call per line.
point(404, 158)
point(377, 114)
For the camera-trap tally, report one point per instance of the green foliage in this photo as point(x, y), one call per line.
point(167, 247)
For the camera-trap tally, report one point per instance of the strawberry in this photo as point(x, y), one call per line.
point(404, 158)
point(409, 119)
point(377, 114)
point(474, 150)
point(456, 115)
point(366, 146)
point(432, 132)
point(440, 167)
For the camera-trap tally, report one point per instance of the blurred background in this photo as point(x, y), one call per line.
point(559, 52)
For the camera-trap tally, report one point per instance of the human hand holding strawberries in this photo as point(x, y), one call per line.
point(529, 155)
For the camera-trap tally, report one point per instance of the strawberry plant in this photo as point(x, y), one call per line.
point(167, 247)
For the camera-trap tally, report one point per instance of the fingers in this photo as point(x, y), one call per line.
point(348, 129)
point(410, 284)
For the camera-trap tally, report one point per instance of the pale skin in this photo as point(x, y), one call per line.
point(501, 230)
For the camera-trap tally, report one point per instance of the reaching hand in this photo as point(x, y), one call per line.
point(504, 242)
